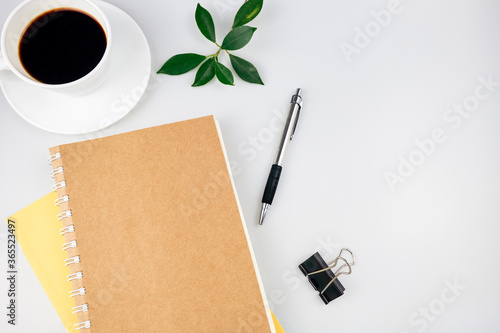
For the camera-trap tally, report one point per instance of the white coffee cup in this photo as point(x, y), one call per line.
point(17, 23)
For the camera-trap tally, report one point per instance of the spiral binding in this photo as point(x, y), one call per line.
point(54, 157)
point(61, 200)
point(84, 324)
point(77, 292)
point(80, 308)
point(65, 230)
point(64, 215)
point(55, 172)
point(73, 260)
point(59, 185)
point(69, 245)
point(74, 276)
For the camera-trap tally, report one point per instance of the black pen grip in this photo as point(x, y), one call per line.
point(272, 184)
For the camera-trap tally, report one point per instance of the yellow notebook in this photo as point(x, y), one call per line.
point(37, 232)
point(277, 324)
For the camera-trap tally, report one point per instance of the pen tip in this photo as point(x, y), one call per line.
point(299, 91)
point(263, 212)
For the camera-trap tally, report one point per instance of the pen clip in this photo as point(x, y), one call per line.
point(297, 101)
point(295, 124)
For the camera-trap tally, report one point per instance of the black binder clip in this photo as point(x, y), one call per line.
point(323, 279)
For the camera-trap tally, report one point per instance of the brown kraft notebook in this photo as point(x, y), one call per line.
point(154, 233)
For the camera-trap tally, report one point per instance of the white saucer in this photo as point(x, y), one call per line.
point(127, 78)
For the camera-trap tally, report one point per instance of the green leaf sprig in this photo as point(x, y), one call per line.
point(237, 38)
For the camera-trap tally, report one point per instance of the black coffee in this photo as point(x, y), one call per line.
point(62, 46)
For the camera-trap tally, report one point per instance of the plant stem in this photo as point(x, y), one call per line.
point(216, 54)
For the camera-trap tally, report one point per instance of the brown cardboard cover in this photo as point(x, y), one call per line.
point(159, 233)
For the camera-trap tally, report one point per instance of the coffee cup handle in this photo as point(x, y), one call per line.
point(3, 64)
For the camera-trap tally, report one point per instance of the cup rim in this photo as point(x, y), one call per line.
point(31, 80)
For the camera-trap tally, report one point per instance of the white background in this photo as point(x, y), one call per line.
point(438, 227)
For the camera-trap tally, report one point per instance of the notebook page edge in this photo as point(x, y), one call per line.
point(252, 254)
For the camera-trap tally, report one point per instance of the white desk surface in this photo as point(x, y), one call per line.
point(438, 228)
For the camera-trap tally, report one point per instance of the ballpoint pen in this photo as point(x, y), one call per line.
point(274, 174)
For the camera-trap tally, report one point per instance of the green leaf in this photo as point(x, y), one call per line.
point(205, 23)
point(247, 12)
point(237, 38)
point(245, 70)
point(181, 63)
point(205, 73)
point(224, 74)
